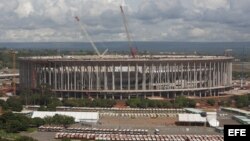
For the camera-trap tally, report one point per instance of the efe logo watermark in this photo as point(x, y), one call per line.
point(234, 132)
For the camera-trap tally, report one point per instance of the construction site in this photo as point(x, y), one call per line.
point(114, 76)
point(123, 77)
point(128, 96)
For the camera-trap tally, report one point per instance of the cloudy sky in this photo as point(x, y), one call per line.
point(149, 20)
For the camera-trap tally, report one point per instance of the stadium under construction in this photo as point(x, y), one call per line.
point(123, 77)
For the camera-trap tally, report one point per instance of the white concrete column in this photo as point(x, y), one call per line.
point(151, 77)
point(121, 77)
point(128, 76)
point(113, 77)
point(98, 70)
point(105, 77)
point(218, 73)
point(50, 75)
point(195, 76)
point(75, 83)
point(160, 76)
point(210, 74)
point(188, 73)
point(144, 77)
point(200, 76)
point(136, 76)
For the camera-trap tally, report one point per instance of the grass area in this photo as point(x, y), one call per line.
point(10, 136)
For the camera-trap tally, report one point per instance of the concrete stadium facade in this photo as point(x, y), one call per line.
point(123, 77)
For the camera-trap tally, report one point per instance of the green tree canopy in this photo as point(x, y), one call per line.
point(15, 104)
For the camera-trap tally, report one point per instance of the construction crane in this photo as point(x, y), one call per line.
point(242, 69)
point(13, 53)
point(84, 31)
point(133, 50)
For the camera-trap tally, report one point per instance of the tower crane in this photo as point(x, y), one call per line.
point(133, 50)
point(13, 53)
point(84, 31)
point(242, 68)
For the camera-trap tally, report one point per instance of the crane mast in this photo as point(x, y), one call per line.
point(84, 31)
point(13, 53)
point(133, 51)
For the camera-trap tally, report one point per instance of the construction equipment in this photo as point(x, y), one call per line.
point(133, 50)
point(242, 77)
point(13, 53)
point(84, 31)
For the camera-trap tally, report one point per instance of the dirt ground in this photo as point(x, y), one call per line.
point(120, 104)
point(142, 122)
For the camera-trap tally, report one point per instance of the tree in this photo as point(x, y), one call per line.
point(133, 103)
point(14, 122)
point(38, 122)
point(182, 101)
point(211, 102)
point(167, 104)
point(242, 101)
point(13, 126)
point(4, 105)
point(59, 120)
point(51, 107)
point(191, 103)
point(15, 104)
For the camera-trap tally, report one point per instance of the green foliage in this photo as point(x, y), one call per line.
point(14, 123)
point(242, 101)
point(182, 101)
point(59, 120)
point(45, 98)
point(13, 126)
point(88, 103)
point(3, 139)
point(211, 102)
point(15, 104)
point(37, 122)
point(25, 138)
point(5, 59)
point(4, 105)
point(4, 136)
point(146, 103)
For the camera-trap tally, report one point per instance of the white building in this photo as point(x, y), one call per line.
point(87, 117)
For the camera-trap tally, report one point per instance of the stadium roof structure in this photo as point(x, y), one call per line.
point(91, 117)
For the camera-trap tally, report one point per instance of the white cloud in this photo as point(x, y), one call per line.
point(198, 32)
point(211, 4)
point(165, 20)
point(24, 9)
